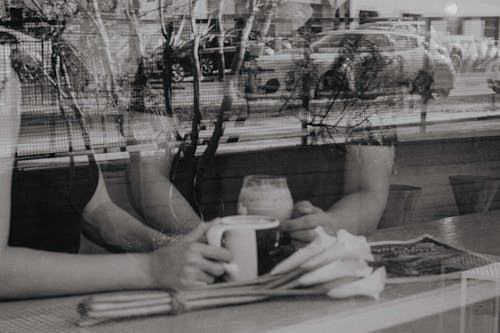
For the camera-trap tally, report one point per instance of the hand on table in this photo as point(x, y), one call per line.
point(188, 262)
point(305, 218)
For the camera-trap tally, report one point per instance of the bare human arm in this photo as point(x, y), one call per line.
point(163, 207)
point(164, 212)
point(32, 273)
point(366, 187)
point(114, 229)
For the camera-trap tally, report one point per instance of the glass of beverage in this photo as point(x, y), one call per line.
point(265, 195)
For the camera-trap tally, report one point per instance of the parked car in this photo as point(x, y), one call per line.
point(208, 53)
point(466, 51)
point(26, 49)
point(393, 58)
point(33, 56)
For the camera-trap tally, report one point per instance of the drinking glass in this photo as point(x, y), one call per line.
point(265, 195)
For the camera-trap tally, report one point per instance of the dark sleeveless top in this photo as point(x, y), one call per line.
point(47, 204)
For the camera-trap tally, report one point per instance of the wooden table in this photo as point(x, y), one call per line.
point(416, 307)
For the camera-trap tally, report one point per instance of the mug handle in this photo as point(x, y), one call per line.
point(214, 237)
point(214, 234)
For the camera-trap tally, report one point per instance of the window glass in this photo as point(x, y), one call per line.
point(292, 100)
point(334, 40)
point(399, 42)
point(412, 28)
point(412, 43)
point(378, 40)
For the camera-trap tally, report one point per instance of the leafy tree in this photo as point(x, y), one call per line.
point(359, 83)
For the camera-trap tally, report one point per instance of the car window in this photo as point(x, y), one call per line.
point(380, 41)
point(412, 43)
point(7, 38)
point(379, 26)
point(234, 36)
point(231, 37)
point(333, 40)
point(412, 29)
point(400, 42)
point(337, 40)
point(403, 42)
point(403, 28)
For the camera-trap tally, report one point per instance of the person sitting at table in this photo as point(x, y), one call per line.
point(368, 167)
point(29, 267)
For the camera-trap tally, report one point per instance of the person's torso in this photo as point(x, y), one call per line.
point(47, 204)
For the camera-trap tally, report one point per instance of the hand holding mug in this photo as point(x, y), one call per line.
point(188, 262)
point(306, 217)
point(251, 239)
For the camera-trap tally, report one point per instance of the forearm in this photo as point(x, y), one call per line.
point(165, 209)
point(113, 228)
point(358, 212)
point(366, 187)
point(157, 199)
point(31, 273)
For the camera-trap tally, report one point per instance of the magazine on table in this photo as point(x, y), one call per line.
point(426, 258)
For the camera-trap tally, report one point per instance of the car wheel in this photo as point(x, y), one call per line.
point(333, 82)
point(272, 86)
point(178, 72)
point(456, 61)
point(207, 66)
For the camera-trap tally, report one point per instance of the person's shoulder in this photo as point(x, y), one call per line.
point(10, 96)
point(5, 67)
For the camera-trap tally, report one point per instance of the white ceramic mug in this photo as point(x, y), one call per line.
point(251, 239)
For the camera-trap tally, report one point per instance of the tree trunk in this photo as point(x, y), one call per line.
point(137, 102)
point(56, 66)
point(220, 40)
point(138, 42)
point(168, 36)
point(240, 57)
point(306, 80)
point(208, 155)
point(195, 123)
point(269, 17)
point(167, 72)
point(109, 65)
point(196, 77)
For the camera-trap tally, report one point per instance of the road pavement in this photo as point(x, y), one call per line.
point(212, 91)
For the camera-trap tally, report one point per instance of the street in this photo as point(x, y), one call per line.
point(212, 90)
